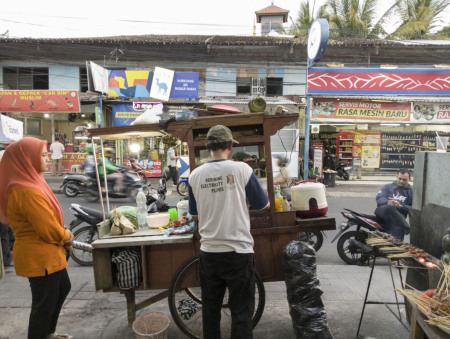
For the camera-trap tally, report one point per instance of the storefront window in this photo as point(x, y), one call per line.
point(34, 127)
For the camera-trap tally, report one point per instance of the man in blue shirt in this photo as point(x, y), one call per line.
point(394, 201)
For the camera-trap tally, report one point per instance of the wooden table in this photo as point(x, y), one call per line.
point(420, 329)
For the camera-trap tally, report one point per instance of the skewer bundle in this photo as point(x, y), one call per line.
point(436, 307)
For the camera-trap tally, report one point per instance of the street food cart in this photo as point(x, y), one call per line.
point(170, 263)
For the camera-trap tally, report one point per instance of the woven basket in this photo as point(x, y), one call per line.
point(151, 325)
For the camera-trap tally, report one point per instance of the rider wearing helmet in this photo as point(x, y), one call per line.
point(112, 171)
point(89, 162)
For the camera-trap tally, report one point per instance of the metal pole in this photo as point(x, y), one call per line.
point(104, 177)
point(99, 187)
point(307, 116)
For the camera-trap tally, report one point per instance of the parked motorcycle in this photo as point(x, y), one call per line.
point(351, 245)
point(138, 169)
point(85, 235)
point(315, 238)
point(183, 186)
point(132, 183)
point(74, 184)
point(342, 168)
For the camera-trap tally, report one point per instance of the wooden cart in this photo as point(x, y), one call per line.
point(169, 264)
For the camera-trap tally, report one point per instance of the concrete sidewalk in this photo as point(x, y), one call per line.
point(94, 314)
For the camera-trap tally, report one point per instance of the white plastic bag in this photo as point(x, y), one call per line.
point(150, 116)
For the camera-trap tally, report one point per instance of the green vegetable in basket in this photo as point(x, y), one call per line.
point(130, 212)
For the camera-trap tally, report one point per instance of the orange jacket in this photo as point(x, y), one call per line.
point(40, 237)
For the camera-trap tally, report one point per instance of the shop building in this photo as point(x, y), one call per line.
point(231, 71)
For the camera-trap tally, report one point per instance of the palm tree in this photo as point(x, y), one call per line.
point(351, 18)
point(355, 18)
point(417, 17)
point(305, 18)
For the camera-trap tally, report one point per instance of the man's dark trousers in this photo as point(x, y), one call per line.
point(6, 253)
point(393, 220)
point(235, 271)
point(173, 173)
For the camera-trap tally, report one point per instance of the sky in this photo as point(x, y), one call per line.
point(96, 18)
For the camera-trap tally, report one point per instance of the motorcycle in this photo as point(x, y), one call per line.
point(314, 238)
point(351, 245)
point(138, 169)
point(132, 183)
point(342, 168)
point(85, 235)
point(74, 184)
point(183, 186)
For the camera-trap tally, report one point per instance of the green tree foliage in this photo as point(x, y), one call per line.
point(417, 18)
point(347, 18)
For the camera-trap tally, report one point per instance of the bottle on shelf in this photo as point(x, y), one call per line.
point(141, 212)
point(278, 199)
point(286, 205)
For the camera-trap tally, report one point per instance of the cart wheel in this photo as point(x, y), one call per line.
point(185, 301)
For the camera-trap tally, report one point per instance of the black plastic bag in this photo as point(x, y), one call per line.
point(309, 319)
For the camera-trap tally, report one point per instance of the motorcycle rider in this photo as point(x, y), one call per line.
point(89, 162)
point(112, 171)
point(394, 201)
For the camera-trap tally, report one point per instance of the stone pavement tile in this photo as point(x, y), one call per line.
point(71, 303)
point(15, 302)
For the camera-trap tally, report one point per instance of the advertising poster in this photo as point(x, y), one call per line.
point(132, 84)
point(351, 110)
point(424, 112)
point(45, 101)
point(162, 84)
point(124, 114)
point(318, 162)
point(369, 81)
point(151, 168)
point(71, 162)
point(11, 129)
point(185, 85)
point(370, 156)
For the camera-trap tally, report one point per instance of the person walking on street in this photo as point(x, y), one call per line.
point(37, 220)
point(218, 193)
point(57, 150)
point(394, 201)
point(4, 230)
point(172, 164)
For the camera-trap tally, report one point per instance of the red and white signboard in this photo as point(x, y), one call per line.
point(424, 112)
point(351, 110)
point(39, 101)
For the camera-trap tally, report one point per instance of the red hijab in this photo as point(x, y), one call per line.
point(21, 168)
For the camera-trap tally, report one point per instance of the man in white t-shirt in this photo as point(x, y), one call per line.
point(218, 193)
point(172, 164)
point(57, 150)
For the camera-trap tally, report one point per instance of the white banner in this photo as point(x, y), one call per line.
point(162, 84)
point(430, 112)
point(12, 129)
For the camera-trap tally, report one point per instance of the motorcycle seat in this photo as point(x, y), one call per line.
point(92, 212)
point(371, 216)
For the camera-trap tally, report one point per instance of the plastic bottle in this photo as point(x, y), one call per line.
point(278, 200)
point(286, 205)
point(141, 209)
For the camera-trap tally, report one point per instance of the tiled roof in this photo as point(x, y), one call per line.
point(217, 40)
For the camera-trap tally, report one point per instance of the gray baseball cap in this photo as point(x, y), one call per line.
point(219, 133)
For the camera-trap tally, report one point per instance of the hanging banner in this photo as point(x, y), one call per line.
point(353, 81)
point(131, 84)
point(185, 85)
point(11, 129)
point(39, 101)
point(162, 84)
point(124, 114)
point(97, 78)
point(351, 110)
point(430, 113)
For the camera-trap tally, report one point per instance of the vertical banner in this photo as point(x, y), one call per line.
point(370, 156)
point(318, 162)
point(99, 117)
point(162, 84)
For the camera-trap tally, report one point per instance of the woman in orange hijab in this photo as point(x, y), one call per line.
point(36, 218)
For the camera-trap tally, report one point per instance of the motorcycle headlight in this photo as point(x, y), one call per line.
point(136, 178)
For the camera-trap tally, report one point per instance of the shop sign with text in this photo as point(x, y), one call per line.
point(370, 81)
point(39, 101)
point(424, 112)
point(351, 110)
